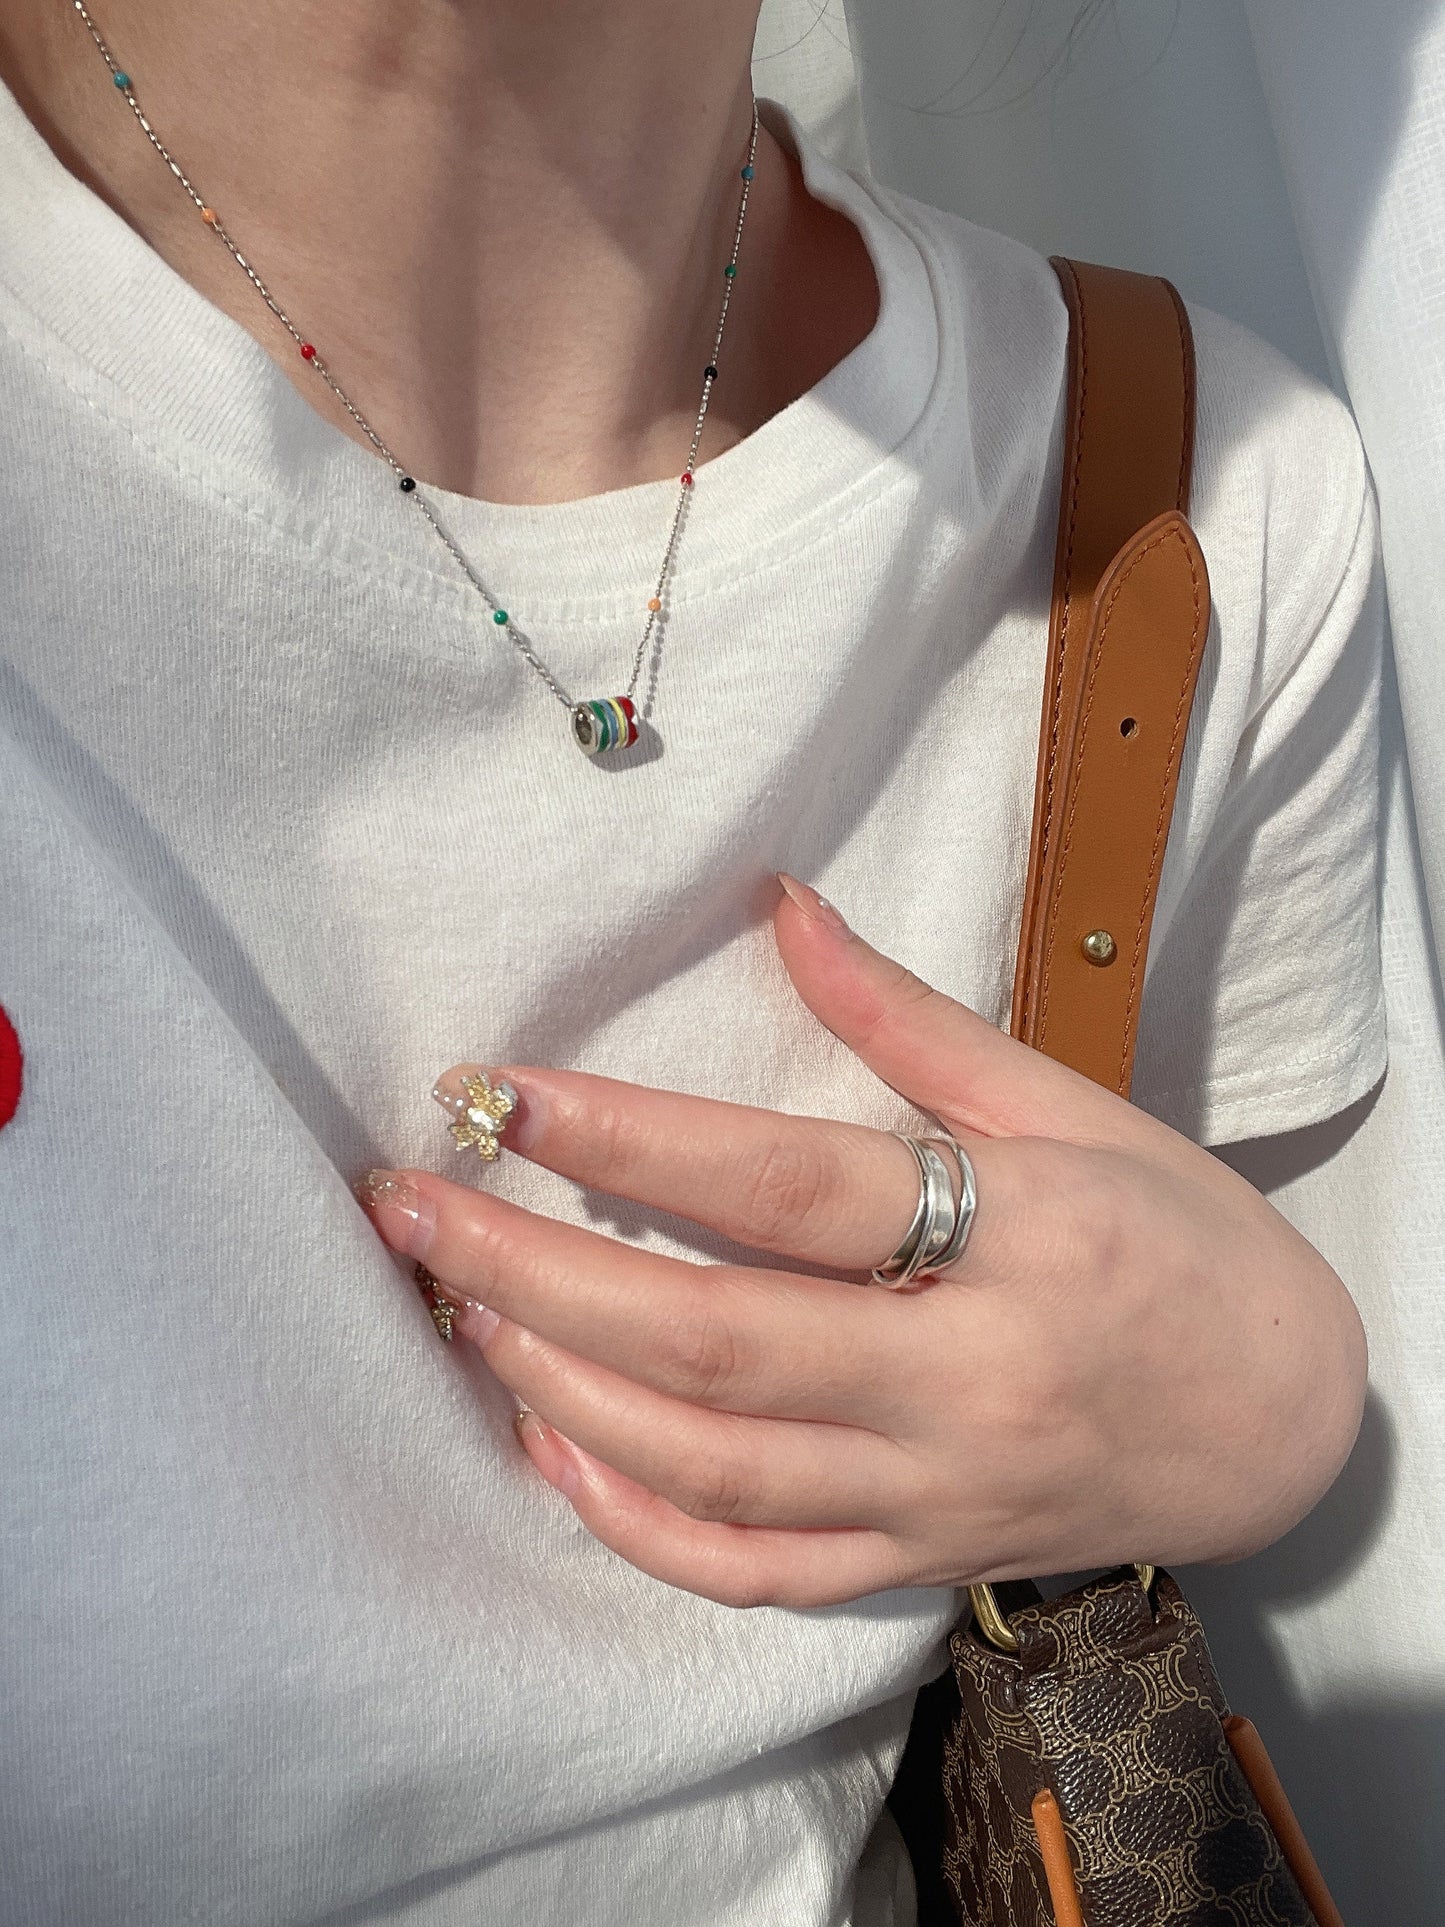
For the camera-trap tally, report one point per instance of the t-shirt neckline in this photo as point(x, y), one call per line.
point(188, 375)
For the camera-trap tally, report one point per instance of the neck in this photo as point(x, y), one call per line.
point(503, 225)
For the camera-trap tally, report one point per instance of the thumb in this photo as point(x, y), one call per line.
point(939, 1054)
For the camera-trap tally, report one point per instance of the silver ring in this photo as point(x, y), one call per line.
point(967, 1206)
point(890, 1270)
point(938, 1232)
point(940, 1216)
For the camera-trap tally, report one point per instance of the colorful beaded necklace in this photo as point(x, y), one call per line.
point(599, 725)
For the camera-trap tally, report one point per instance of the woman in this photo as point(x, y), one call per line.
point(298, 823)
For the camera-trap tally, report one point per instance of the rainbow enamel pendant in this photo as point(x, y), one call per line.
point(604, 725)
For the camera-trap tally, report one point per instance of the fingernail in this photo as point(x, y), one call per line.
point(815, 908)
point(400, 1213)
point(547, 1452)
point(484, 1107)
point(478, 1322)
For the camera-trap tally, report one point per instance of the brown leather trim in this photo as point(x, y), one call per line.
point(1257, 1767)
point(1128, 453)
point(1058, 1865)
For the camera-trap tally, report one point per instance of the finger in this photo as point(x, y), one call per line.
point(937, 1052)
point(712, 1465)
point(735, 1565)
point(767, 1342)
point(811, 1188)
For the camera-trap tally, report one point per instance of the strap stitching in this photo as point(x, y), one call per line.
point(1186, 356)
point(1161, 830)
point(1056, 694)
point(1161, 823)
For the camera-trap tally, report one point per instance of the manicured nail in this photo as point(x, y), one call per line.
point(815, 908)
point(484, 1107)
point(400, 1213)
point(547, 1452)
point(478, 1322)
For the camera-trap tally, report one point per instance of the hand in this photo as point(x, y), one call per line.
point(1136, 1358)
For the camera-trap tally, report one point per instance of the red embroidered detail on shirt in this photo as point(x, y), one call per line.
point(10, 1064)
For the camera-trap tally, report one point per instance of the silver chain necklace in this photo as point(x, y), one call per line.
point(601, 724)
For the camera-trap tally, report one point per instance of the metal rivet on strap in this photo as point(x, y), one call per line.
point(1099, 947)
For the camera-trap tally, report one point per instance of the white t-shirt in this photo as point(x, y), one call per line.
point(292, 1631)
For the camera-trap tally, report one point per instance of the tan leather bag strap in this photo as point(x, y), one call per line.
point(1127, 629)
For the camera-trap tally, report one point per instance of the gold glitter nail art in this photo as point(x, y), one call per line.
point(442, 1311)
point(384, 1187)
point(486, 1115)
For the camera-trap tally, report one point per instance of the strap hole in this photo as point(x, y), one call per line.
point(1129, 727)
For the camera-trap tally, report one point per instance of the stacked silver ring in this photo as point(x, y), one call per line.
point(936, 1237)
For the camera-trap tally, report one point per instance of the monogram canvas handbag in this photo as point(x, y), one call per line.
point(1092, 1774)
